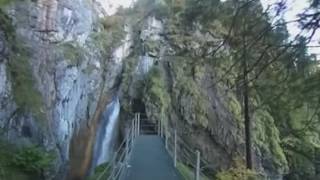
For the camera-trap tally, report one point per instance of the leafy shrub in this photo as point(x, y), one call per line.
point(32, 160)
point(24, 164)
point(238, 172)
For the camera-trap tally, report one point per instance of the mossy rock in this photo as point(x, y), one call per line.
point(72, 52)
point(110, 36)
point(6, 26)
point(156, 89)
point(26, 95)
point(5, 2)
point(234, 106)
point(152, 47)
point(266, 137)
point(190, 98)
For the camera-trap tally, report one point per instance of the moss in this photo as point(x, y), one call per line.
point(156, 89)
point(27, 97)
point(266, 136)
point(6, 26)
point(235, 108)
point(152, 47)
point(4, 2)
point(188, 93)
point(198, 72)
point(72, 52)
point(110, 36)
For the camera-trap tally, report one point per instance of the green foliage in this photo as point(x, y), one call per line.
point(158, 8)
point(27, 97)
point(127, 78)
point(187, 173)
point(156, 89)
point(101, 172)
point(32, 160)
point(301, 154)
point(6, 26)
point(26, 163)
point(238, 172)
point(110, 36)
point(235, 108)
point(4, 2)
point(202, 10)
point(187, 93)
point(268, 140)
point(72, 52)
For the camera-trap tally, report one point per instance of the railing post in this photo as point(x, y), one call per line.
point(197, 173)
point(127, 147)
point(132, 132)
point(159, 127)
point(166, 140)
point(175, 149)
point(138, 123)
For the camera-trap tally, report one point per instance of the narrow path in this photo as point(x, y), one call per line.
point(150, 161)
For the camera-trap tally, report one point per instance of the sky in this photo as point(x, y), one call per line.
point(293, 8)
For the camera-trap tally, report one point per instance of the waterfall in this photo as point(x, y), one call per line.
point(106, 133)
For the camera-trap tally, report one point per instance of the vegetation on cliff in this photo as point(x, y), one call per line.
point(24, 163)
point(282, 78)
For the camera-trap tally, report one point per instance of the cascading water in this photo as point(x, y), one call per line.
point(106, 133)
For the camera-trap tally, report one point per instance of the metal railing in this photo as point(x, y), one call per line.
point(119, 162)
point(177, 148)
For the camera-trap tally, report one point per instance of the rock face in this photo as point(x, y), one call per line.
point(170, 77)
point(188, 99)
point(69, 74)
point(157, 65)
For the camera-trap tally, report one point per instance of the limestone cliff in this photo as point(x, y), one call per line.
point(63, 61)
point(55, 79)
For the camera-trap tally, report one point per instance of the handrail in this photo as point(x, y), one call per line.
point(179, 150)
point(122, 154)
point(113, 159)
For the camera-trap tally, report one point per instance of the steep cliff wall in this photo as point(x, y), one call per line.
point(175, 70)
point(63, 61)
point(57, 76)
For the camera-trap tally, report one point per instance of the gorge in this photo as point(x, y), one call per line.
point(72, 77)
